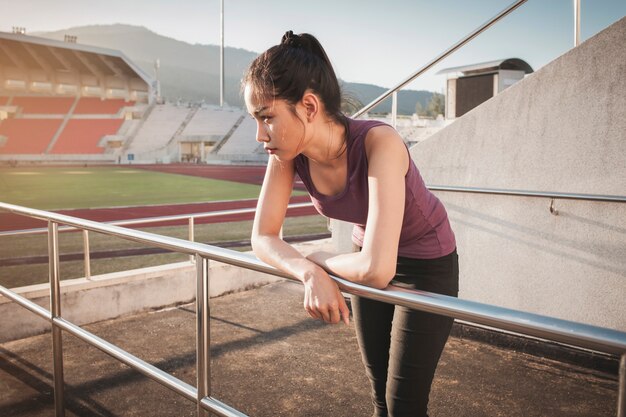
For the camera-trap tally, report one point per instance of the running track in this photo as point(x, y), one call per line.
point(245, 174)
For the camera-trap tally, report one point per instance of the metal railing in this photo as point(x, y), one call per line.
point(435, 61)
point(190, 218)
point(563, 331)
point(393, 91)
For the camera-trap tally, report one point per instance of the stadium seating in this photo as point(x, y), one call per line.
point(4, 101)
point(27, 136)
point(243, 140)
point(81, 136)
point(212, 122)
point(158, 128)
point(93, 105)
point(44, 105)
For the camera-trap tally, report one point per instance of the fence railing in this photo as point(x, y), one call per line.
point(190, 218)
point(563, 331)
point(393, 91)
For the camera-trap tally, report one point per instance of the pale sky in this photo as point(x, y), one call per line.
point(376, 42)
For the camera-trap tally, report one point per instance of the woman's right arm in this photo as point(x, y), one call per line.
point(322, 298)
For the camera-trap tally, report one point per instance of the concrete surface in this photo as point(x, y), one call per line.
point(561, 129)
point(270, 359)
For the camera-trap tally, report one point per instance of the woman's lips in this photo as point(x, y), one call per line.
point(271, 151)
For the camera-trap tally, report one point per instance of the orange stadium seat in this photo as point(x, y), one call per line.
point(92, 105)
point(81, 136)
point(27, 136)
point(44, 105)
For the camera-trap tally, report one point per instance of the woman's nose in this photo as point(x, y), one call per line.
point(261, 133)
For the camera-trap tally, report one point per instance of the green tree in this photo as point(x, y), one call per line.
point(436, 105)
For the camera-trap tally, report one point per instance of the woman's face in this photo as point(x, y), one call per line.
point(281, 132)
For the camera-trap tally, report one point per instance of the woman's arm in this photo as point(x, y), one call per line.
point(322, 298)
point(375, 264)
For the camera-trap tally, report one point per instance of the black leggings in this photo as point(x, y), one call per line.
point(400, 347)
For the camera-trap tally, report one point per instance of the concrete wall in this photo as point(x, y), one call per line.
point(560, 129)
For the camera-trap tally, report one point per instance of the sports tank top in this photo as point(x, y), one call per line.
point(426, 231)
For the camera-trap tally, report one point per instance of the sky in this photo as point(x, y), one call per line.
point(375, 42)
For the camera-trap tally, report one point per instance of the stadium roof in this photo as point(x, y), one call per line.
point(26, 54)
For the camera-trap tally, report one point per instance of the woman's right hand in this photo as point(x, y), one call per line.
point(323, 300)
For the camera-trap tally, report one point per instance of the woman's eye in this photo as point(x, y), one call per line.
point(266, 119)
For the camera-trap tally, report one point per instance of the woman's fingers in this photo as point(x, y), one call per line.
point(344, 310)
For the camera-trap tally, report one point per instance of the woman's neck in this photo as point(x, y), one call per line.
point(327, 144)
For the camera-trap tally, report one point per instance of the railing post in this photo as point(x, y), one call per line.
point(191, 236)
point(86, 250)
point(621, 395)
point(394, 109)
point(576, 23)
point(203, 359)
point(55, 311)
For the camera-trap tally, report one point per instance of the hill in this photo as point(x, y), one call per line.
point(191, 72)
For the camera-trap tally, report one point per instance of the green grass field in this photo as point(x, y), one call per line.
point(53, 188)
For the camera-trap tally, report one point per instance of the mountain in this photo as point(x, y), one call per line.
point(191, 72)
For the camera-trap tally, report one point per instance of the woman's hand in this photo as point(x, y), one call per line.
point(323, 300)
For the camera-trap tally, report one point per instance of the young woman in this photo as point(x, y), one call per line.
point(358, 171)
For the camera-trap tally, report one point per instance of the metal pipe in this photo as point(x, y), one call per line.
point(191, 235)
point(55, 311)
point(143, 367)
point(203, 361)
point(134, 362)
point(154, 219)
point(577, 334)
point(222, 54)
point(478, 190)
point(527, 193)
point(443, 55)
point(86, 250)
point(576, 23)
point(221, 409)
point(27, 304)
point(621, 396)
point(394, 109)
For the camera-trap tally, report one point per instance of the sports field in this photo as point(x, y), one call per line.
point(54, 188)
point(127, 192)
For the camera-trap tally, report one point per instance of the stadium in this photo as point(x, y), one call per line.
point(124, 213)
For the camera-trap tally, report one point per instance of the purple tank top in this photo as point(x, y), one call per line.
point(426, 231)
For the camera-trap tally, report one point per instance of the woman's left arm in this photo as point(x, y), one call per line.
point(375, 264)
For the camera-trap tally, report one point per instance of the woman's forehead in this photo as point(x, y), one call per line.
point(256, 103)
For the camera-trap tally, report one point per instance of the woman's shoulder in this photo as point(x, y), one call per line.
point(360, 128)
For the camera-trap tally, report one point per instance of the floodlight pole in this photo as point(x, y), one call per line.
point(576, 23)
point(222, 55)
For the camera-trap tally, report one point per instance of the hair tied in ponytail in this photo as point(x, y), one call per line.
point(291, 39)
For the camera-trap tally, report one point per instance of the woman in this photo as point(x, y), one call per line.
point(360, 172)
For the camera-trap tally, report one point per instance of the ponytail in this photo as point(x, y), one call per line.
point(287, 70)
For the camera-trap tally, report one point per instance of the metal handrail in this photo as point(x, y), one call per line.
point(158, 219)
point(528, 193)
point(442, 56)
point(476, 190)
point(563, 331)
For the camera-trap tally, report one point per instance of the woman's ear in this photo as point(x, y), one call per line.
point(311, 105)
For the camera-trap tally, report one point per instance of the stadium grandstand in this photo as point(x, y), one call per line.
point(62, 102)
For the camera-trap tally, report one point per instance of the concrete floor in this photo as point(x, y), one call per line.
point(270, 359)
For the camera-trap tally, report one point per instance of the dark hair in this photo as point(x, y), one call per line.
point(288, 69)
